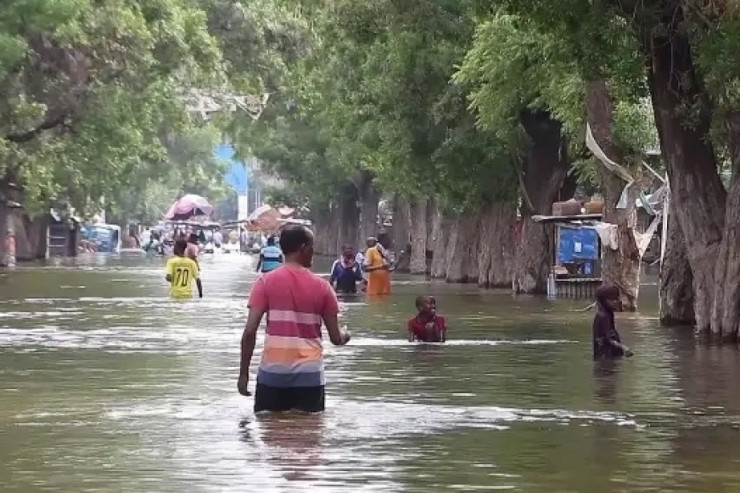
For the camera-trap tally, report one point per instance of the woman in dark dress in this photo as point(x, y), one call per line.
point(606, 341)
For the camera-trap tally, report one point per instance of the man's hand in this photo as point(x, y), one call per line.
point(628, 352)
point(242, 384)
point(345, 336)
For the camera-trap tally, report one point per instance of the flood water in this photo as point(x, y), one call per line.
point(107, 385)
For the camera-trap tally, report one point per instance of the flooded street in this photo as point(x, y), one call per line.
point(107, 385)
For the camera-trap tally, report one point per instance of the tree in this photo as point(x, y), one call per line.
point(190, 166)
point(89, 89)
point(375, 109)
point(685, 110)
point(583, 68)
point(693, 96)
point(530, 117)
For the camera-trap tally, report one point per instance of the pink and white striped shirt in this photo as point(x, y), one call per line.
point(296, 301)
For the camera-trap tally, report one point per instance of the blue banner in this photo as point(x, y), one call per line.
point(236, 177)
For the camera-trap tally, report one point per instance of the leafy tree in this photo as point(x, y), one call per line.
point(189, 166)
point(88, 90)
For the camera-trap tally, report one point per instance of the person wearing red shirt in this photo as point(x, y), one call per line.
point(427, 326)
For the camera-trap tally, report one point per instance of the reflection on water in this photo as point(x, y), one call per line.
point(107, 385)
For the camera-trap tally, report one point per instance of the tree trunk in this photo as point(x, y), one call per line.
point(4, 214)
point(37, 232)
point(462, 248)
point(620, 267)
point(695, 183)
point(400, 232)
point(349, 212)
point(9, 193)
point(326, 231)
point(369, 197)
point(495, 245)
point(418, 263)
point(431, 215)
point(725, 319)
point(544, 174)
point(30, 236)
point(23, 248)
point(534, 257)
point(441, 226)
point(676, 293)
point(401, 223)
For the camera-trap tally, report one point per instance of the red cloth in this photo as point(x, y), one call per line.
point(419, 328)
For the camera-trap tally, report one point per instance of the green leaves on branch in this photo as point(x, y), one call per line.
point(91, 90)
point(375, 97)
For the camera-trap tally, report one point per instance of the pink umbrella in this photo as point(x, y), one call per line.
point(187, 207)
point(265, 218)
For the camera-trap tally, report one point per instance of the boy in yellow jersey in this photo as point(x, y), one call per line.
point(181, 272)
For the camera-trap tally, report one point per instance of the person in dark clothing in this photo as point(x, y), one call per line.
point(606, 341)
point(345, 272)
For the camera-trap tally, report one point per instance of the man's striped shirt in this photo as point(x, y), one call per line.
point(296, 301)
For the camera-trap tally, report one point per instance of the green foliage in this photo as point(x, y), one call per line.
point(91, 95)
point(259, 39)
point(540, 55)
point(425, 97)
point(187, 166)
point(509, 50)
point(374, 97)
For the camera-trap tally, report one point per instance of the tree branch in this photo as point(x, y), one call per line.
point(23, 137)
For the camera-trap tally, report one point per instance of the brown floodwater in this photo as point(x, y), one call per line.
point(107, 385)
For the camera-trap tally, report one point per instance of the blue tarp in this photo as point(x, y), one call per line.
point(236, 177)
point(107, 238)
point(578, 244)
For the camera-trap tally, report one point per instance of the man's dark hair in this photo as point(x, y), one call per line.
point(271, 241)
point(421, 299)
point(293, 237)
point(193, 238)
point(180, 247)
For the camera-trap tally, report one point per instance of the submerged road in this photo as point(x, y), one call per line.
point(107, 385)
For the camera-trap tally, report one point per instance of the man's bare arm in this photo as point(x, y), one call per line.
point(249, 339)
point(337, 336)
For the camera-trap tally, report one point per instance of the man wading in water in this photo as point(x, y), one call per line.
point(345, 272)
point(270, 257)
point(606, 341)
point(291, 373)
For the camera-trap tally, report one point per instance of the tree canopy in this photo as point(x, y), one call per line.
point(95, 95)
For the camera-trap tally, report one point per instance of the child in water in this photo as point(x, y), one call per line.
point(182, 272)
point(427, 326)
point(606, 341)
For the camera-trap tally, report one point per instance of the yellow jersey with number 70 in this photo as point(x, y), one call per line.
point(183, 272)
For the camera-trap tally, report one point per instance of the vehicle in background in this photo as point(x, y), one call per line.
point(106, 238)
